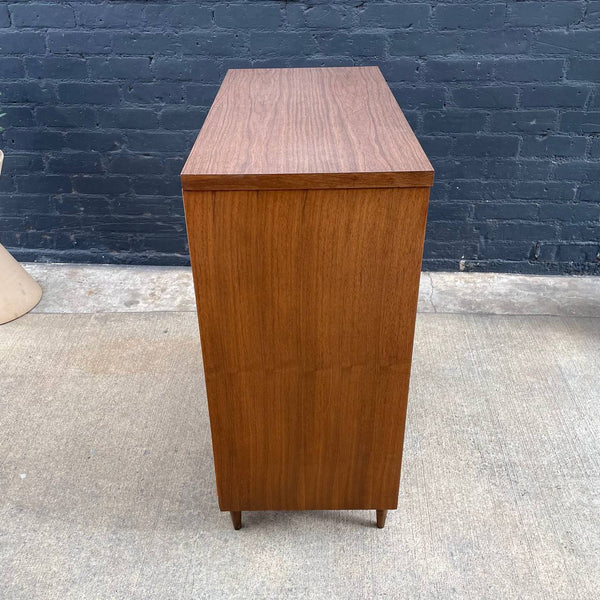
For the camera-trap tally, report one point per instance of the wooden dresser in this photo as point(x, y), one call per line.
point(306, 198)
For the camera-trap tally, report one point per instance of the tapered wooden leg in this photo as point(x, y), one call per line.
point(236, 518)
point(381, 515)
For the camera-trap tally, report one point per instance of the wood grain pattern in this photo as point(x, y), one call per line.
point(305, 128)
point(306, 305)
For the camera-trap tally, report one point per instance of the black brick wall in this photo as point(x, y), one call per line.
point(103, 100)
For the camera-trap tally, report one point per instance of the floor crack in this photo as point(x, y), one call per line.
point(431, 292)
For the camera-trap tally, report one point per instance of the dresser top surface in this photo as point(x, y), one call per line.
point(327, 127)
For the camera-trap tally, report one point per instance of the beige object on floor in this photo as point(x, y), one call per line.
point(19, 293)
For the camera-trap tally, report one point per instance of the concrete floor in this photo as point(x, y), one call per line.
point(122, 288)
point(107, 483)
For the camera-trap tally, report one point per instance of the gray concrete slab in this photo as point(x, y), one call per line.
point(107, 484)
point(116, 288)
point(112, 288)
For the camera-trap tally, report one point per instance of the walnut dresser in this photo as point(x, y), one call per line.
point(306, 198)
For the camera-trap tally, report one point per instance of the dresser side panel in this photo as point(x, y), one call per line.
point(306, 305)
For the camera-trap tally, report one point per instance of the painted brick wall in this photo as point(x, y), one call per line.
point(104, 99)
